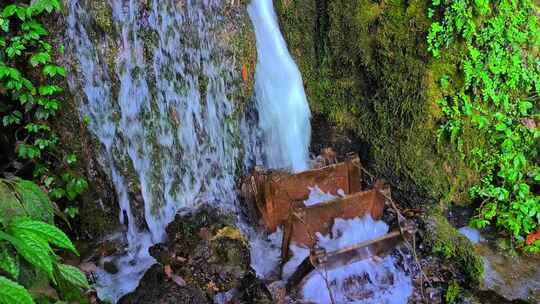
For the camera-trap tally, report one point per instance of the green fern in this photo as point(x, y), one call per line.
point(501, 85)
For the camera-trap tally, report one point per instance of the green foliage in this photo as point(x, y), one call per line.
point(23, 198)
point(11, 292)
point(23, 235)
point(31, 85)
point(497, 98)
point(452, 292)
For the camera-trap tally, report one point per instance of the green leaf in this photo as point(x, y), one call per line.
point(501, 127)
point(73, 275)
point(49, 90)
point(524, 107)
point(28, 152)
point(9, 11)
point(21, 13)
point(45, 231)
point(45, 5)
point(71, 159)
point(522, 190)
point(4, 25)
point(35, 27)
point(75, 187)
point(10, 207)
point(8, 261)
point(36, 203)
point(53, 70)
point(13, 293)
point(32, 248)
point(40, 58)
point(14, 118)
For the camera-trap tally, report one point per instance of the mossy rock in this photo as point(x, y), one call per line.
point(453, 247)
point(101, 13)
point(366, 68)
point(214, 255)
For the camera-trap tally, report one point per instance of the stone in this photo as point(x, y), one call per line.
point(155, 288)
point(512, 277)
point(195, 267)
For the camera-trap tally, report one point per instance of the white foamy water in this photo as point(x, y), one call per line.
point(281, 102)
point(157, 98)
point(364, 281)
point(472, 234)
point(265, 252)
point(317, 196)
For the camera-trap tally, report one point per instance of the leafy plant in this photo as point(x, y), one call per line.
point(496, 97)
point(27, 238)
point(31, 85)
point(452, 292)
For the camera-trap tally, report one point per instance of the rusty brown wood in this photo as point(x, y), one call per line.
point(377, 247)
point(319, 218)
point(320, 259)
point(278, 192)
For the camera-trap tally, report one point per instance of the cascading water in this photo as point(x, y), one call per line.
point(157, 99)
point(164, 117)
point(279, 91)
point(284, 122)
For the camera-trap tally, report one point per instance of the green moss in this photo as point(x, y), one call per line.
point(102, 14)
point(244, 49)
point(452, 292)
point(455, 248)
point(365, 67)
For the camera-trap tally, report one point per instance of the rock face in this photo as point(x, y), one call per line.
point(205, 258)
point(99, 208)
point(366, 69)
point(512, 277)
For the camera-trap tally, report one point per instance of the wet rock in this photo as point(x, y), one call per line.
point(110, 267)
point(254, 291)
point(205, 258)
point(512, 277)
point(155, 288)
point(454, 248)
point(204, 254)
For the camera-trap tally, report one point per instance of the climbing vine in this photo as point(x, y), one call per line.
point(496, 96)
point(31, 91)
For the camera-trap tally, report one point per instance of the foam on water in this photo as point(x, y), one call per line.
point(265, 252)
point(364, 281)
point(317, 196)
point(472, 234)
point(281, 102)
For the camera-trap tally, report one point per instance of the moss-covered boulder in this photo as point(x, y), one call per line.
point(366, 68)
point(204, 253)
point(455, 249)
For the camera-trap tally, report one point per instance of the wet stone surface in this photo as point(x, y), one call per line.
point(511, 277)
point(204, 257)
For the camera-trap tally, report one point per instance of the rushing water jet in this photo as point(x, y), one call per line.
point(281, 101)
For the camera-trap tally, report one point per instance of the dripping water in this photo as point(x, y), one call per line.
point(158, 101)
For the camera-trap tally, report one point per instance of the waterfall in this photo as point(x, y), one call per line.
point(281, 102)
point(157, 99)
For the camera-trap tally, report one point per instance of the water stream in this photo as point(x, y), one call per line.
point(281, 101)
point(158, 99)
point(163, 115)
